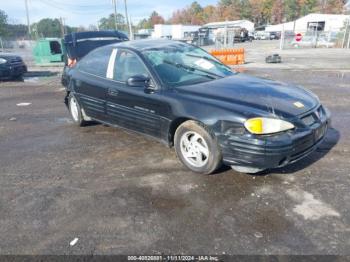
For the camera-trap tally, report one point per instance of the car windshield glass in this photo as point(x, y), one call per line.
point(181, 64)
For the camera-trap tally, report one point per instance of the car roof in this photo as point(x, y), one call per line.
point(146, 44)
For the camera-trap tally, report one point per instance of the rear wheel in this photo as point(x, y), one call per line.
point(197, 148)
point(75, 110)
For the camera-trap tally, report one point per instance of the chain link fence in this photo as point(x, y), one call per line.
point(219, 38)
point(315, 39)
point(24, 48)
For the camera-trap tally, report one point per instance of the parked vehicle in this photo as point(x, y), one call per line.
point(251, 36)
point(261, 35)
point(274, 35)
point(184, 97)
point(77, 45)
point(235, 34)
point(11, 66)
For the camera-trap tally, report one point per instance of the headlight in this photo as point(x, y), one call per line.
point(3, 61)
point(261, 125)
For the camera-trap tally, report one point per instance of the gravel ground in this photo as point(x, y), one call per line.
point(121, 193)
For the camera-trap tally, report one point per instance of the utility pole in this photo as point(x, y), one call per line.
point(115, 14)
point(282, 38)
point(62, 27)
point(28, 23)
point(348, 45)
point(127, 18)
point(130, 29)
point(345, 32)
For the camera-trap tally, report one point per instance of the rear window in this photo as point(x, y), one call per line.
point(96, 62)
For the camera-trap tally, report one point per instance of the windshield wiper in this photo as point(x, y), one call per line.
point(205, 57)
point(191, 70)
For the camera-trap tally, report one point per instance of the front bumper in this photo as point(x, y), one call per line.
point(10, 71)
point(273, 151)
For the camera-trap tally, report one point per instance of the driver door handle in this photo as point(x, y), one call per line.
point(113, 92)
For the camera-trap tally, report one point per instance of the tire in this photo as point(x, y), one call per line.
point(197, 148)
point(75, 110)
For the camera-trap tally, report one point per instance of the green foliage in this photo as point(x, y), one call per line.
point(107, 23)
point(259, 11)
point(48, 27)
point(308, 7)
point(16, 30)
point(246, 9)
point(291, 8)
point(149, 23)
point(3, 23)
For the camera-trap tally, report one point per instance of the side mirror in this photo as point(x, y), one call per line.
point(138, 81)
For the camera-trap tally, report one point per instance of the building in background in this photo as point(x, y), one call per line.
point(143, 34)
point(312, 22)
point(175, 32)
point(231, 24)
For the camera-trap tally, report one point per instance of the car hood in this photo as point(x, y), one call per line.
point(257, 93)
point(7, 55)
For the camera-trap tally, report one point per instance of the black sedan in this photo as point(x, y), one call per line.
point(11, 66)
point(184, 97)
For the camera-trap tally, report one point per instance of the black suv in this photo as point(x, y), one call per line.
point(11, 66)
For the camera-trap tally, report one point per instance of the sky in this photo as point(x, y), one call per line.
point(86, 12)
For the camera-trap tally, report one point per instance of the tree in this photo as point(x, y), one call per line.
point(107, 23)
point(256, 11)
point(230, 9)
point(307, 6)
point(267, 11)
point(144, 24)
point(155, 18)
point(152, 20)
point(246, 10)
point(292, 9)
point(3, 23)
point(277, 12)
point(195, 10)
point(209, 14)
point(48, 27)
point(332, 6)
point(16, 30)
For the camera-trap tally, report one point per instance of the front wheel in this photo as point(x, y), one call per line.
point(197, 148)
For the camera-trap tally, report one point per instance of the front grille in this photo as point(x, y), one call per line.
point(313, 117)
point(309, 120)
point(15, 60)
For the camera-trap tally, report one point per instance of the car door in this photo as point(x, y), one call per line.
point(134, 107)
point(91, 84)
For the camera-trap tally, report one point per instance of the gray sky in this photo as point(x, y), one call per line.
point(85, 12)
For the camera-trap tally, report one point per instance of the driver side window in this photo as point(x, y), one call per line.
point(126, 65)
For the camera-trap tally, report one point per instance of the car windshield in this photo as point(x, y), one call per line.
point(180, 64)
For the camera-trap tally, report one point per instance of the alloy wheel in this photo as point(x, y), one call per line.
point(73, 105)
point(194, 149)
